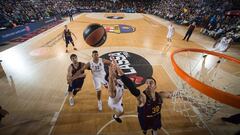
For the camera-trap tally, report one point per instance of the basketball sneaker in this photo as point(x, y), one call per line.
point(71, 101)
point(100, 105)
point(117, 118)
point(105, 86)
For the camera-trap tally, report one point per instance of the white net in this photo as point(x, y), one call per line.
point(191, 103)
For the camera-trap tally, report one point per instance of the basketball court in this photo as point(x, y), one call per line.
point(34, 87)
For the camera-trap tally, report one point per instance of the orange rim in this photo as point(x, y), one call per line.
point(209, 91)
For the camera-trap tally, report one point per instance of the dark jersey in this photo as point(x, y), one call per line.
point(149, 115)
point(67, 33)
point(77, 83)
point(151, 108)
point(74, 70)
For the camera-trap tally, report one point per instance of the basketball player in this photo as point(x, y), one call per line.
point(115, 90)
point(190, 31)
point(75, 78)
point(171, 31)
point(170, 34)
point(221, 45)
point(149, 103)
point(67, 37)
point(96, 65)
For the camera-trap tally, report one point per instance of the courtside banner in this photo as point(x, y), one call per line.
point(10, 34)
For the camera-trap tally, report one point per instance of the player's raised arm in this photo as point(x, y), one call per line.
point(111, 83)
point(141, 98)
point(165, 94)
point(119, 71)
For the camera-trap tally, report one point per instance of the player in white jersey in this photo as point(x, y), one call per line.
point(115, 91)
point(170, 34)
point(171, 31)
point(96, 65)
point(221, 45)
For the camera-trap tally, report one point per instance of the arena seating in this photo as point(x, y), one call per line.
point(210, 15)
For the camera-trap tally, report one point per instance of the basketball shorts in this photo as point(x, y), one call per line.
point(68, 40)
point(76, 85)
point(98, 81)
point(150, 122)
point(170, 35)
point(115, 106)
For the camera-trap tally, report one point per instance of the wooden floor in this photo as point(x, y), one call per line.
point(33, 81)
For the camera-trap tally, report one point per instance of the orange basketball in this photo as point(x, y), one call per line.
point(95, 35)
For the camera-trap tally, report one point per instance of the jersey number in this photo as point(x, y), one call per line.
point(156, 109)
point(97, 68)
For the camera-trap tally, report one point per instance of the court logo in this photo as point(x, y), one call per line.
point(134, 66)
point(114, 17)
point(119, 28)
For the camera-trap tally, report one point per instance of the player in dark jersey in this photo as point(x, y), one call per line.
point(67, 36)
point(75, 77)
point(149, 102)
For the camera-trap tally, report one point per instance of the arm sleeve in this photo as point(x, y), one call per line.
point(130, 85)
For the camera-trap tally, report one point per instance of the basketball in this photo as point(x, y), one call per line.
point(95, 35)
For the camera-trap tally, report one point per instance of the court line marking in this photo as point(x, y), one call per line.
point(125, 116)
point(56, 114)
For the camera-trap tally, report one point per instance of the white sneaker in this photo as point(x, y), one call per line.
point(71, 101)
point(100, 106)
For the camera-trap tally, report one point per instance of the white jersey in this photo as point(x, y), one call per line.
point(97, 68)
point(170, 31)
point(119, 93)
point(223, 44)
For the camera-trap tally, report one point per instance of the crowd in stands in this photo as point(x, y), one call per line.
point(19, 12)
point(210, 15)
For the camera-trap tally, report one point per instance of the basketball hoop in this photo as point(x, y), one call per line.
point(196, 99)
point(209, 91)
